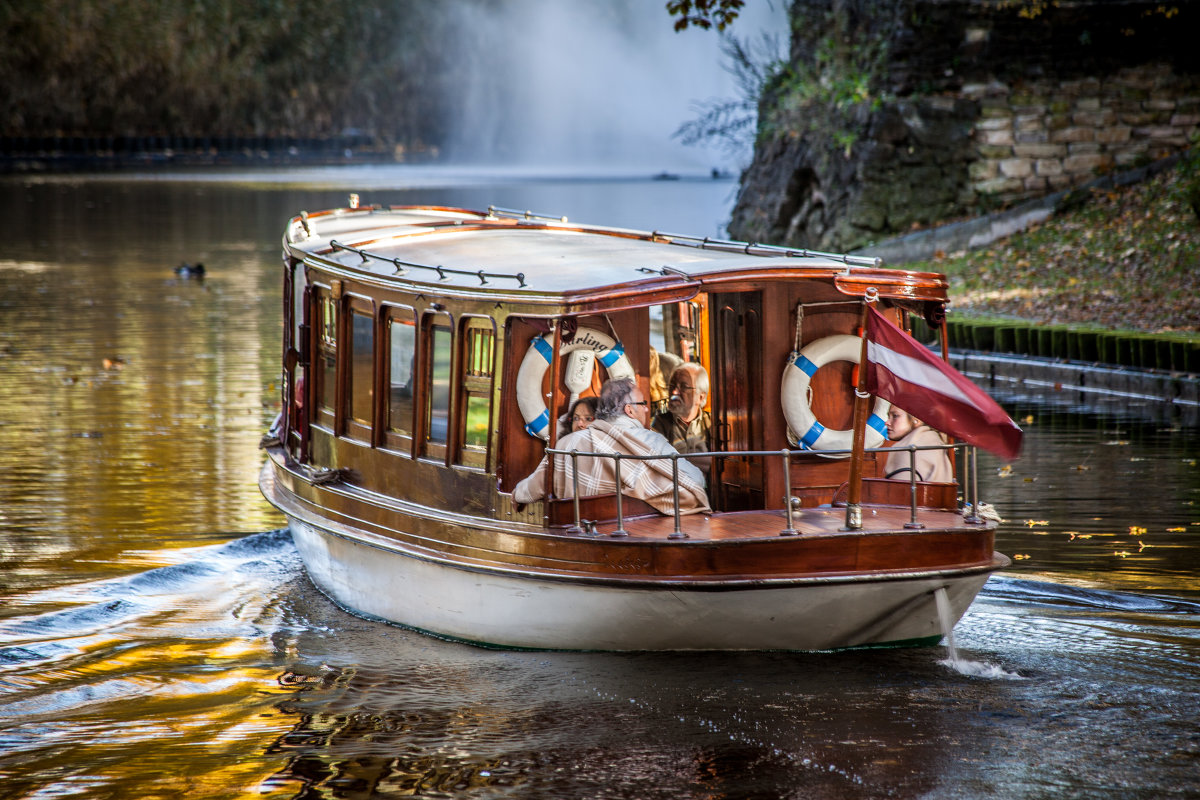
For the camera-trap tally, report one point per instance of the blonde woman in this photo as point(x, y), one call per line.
point(931, 465)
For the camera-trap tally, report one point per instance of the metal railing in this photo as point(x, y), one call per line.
point(968, 466)
point(402, 267)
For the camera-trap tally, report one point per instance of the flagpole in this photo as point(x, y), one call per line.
point(854, 490)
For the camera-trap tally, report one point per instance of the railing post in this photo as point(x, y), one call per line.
point(912, 488)
point(972, 459)
point(577, 528)
point(790, 530)
point(678, 532)
point(620, 531)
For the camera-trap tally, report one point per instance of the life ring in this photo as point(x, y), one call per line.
point(537, 359)
point(797, 410)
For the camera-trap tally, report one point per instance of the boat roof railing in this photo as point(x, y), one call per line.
point(709, 243)
point(403, 266)
point(755, 249)
point(516, 213)
point(703, 243)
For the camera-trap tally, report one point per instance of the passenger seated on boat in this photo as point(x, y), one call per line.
point(685, 423)
point(582, 414)
point(620, 427)
point(661, 366)
point(931, 465)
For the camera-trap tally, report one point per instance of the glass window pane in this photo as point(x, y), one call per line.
point(328, 321)
point(328, 378)
point(297, 302)
point(362, 373)
point(327, 357)
point(479, 412)
point(478, 362)
point(439, 384)
point(402, 339)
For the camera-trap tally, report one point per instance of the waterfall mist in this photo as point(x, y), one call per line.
point(590, 84)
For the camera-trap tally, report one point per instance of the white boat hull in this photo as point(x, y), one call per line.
point(514, 610)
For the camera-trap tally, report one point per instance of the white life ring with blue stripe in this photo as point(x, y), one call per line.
point(537, 359)
point(797, 405)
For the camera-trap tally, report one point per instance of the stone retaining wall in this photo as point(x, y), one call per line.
point(1044, 136)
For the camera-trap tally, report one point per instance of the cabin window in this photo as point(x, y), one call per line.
point(677, 334)
point(401, 360)
point(327, 354)
point(439, 341)
point(361, 390)
point(478, 365)
point(298, 284)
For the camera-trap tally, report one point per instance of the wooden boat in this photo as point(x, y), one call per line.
point(425, 358)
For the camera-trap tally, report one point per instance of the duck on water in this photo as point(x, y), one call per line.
point(430, 353)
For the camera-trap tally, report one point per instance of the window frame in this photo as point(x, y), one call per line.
point(326, 337)
point(432, 320)
point(401, 441)
point(472, 385)
point(353, 426)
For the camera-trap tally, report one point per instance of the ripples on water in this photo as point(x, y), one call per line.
point(155, 642)
point(227, 673)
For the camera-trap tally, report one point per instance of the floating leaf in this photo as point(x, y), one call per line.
point(1032, 522)
point(1020, 556)
point(1004, 471)
point(1176, 530)
point(1137, 530)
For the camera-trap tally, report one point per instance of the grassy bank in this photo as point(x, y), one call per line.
point(1123, 259)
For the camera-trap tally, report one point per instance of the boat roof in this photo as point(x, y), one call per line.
point(522, 256)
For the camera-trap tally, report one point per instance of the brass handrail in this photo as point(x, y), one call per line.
point(970, 482)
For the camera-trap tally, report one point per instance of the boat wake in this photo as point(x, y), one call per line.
point(214, 592)
point(1058, 594)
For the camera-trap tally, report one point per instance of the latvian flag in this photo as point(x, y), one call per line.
point(901, 370)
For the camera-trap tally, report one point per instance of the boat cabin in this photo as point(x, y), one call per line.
point(430, 355)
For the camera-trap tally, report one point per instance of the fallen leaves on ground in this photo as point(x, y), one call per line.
point(1126, 259)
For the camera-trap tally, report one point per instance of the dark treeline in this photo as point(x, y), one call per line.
point(377, 70)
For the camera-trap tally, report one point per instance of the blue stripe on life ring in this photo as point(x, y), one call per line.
point(610, 358)
point(804, 365)
point(538, 425)
point(877, 422)
point(543, 347)
point(811, 435)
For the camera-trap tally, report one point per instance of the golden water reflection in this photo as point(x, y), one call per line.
point(133, 398)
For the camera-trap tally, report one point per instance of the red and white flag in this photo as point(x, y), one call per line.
point(901, 370)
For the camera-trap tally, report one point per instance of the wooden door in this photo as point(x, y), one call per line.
point(736, 378)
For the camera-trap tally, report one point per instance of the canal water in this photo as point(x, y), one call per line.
point(159, 638)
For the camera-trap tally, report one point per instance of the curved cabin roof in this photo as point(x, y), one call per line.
point(533, 261)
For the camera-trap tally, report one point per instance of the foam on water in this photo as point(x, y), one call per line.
point(974, 669)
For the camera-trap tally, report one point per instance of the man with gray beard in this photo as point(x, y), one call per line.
point(685, 423)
